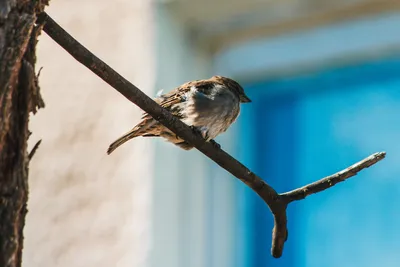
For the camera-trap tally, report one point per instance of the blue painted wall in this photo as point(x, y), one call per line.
point(333, 119)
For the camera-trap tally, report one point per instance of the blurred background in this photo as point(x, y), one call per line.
point(324, 77)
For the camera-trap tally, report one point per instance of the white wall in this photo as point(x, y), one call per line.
point(87, 208)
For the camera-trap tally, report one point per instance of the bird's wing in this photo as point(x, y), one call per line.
point(168, 100)
point(179, 95)
point(150, 127)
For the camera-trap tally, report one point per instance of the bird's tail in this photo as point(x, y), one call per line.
point(145, 128)
point(123, 139)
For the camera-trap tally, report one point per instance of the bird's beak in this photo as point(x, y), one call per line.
point(244, 99)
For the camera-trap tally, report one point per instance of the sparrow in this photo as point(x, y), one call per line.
point(208, 106)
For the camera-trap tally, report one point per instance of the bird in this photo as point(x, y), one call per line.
point(208, 106)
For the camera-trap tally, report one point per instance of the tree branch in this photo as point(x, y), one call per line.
point(329, 181)
point(33, 151)
point(277, 203)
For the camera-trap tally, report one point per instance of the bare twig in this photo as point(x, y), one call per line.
point(33, 151)
point(329, 181)
point(277, 203)
point(38, 74)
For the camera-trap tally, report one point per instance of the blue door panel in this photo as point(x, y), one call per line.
point(356, 223)
point(304, 128)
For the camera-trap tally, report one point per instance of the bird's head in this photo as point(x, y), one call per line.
point(235, 87)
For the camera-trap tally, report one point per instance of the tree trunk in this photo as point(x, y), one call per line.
point(19, 95)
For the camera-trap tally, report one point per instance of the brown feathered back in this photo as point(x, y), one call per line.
point(172, 102)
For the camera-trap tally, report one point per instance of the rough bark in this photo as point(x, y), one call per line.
point(19, 95)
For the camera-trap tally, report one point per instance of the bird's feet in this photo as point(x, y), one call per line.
point(215, 144)
point(196, 131)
